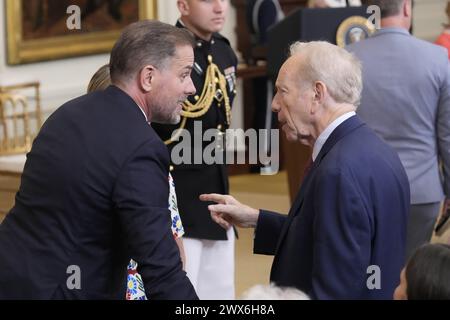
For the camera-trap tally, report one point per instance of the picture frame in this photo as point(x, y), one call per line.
point(37, 30)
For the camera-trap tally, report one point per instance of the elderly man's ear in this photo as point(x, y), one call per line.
point(320, 91)
point(147, 78)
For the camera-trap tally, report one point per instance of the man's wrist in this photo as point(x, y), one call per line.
point(255, 214)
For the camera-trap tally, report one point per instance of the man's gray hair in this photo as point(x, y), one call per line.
point(273, 292)
point(147, 42)
point(388, 7)
point(334, 66)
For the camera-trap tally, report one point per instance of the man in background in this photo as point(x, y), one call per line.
point(94, 189)
point(406, 101)
point(209, 248)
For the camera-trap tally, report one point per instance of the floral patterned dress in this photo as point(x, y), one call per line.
point(135, 285)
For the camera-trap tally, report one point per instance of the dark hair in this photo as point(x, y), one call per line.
point(388, 7)
point(143, 43)
point(428, 273)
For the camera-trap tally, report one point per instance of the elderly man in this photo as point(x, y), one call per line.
point(408, 105)
point(344, 237)
point(94, 189)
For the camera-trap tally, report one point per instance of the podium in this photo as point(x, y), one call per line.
point(305, 24)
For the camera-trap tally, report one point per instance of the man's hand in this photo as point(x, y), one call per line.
point(229, 211)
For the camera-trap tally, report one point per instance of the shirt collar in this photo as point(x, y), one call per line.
point(392, 30)
point(142, 110)
point(323, 137)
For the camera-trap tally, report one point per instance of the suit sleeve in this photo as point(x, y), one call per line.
point(267, 232)
point(443, 129)
point(342, 238)
point(141, 198)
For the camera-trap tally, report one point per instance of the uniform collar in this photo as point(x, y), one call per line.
point(199, 42)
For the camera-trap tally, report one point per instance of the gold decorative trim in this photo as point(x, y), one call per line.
point(359, 23)
point(25, 51)
point(16, 117)
point(214, 83)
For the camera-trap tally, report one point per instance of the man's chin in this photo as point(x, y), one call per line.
point(291, 137)
point(175, 119)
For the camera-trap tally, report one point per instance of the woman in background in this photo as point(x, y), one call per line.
point(426, 275)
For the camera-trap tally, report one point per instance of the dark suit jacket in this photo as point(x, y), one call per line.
point(351, 213)
point(94, 193)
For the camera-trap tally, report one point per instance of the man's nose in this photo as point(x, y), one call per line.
point(190, 88)
point(275, 104)
point(219, 5)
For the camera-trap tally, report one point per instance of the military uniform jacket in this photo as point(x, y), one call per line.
point(193, 178)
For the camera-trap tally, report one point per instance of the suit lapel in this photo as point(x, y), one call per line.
point(298, 202)
point(342, 130)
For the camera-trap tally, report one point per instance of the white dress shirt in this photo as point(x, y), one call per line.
point(323, 137)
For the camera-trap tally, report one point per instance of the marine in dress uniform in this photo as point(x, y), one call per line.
point(214, 77)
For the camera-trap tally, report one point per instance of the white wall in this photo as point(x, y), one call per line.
point(429, 15)
point(64, 79)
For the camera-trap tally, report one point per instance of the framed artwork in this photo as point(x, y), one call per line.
point(37, 30)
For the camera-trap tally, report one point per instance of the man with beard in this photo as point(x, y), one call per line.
point(209, 248)
point(94, 188)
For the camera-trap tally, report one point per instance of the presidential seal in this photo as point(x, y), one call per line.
point(353, 29)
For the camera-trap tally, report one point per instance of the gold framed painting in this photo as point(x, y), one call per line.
point(37, 30)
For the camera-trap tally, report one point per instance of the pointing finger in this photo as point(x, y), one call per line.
point(215, 197)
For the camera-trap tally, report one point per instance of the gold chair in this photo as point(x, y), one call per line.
point(17, 116)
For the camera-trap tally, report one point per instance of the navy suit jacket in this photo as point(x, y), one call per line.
point(349, 215)
point(94, 193)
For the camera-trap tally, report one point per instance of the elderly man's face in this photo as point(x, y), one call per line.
point(292, 102)
point(172, 86)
